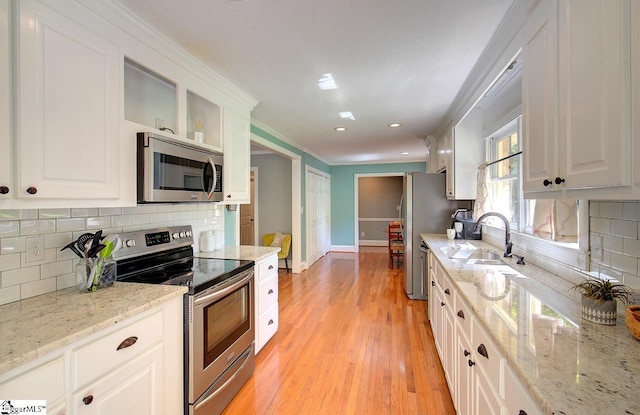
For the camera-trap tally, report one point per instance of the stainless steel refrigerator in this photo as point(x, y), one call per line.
point(424, 209)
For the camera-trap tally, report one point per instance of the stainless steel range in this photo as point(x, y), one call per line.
point(219, 309)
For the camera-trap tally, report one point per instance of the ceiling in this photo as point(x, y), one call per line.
point(389, 62)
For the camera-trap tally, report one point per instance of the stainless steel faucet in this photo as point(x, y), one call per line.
point(507, 231)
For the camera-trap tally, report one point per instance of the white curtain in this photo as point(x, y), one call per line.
point(556, 219)
point(482, 204)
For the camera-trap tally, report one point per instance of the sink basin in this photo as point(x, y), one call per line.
point(473, 256)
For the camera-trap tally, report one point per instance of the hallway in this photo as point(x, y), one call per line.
point(349, 342)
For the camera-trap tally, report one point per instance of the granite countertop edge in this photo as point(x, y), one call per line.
point(241, 252)
point(37, 326)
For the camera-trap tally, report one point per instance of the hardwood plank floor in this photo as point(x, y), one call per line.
point(349, 342)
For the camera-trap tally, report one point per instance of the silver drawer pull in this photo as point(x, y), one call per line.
point(128, 342)
point(270, 266)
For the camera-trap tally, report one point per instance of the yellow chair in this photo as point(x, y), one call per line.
point(285, 245)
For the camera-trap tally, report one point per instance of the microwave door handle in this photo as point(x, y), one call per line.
point(215, 178)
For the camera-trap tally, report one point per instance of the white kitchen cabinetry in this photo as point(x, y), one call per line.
point(576, 82)
point(467, 154)
point(67, 136)
point(266, 300)
point(237, 158)
point(444, 151)
point(133, 367)
point(6, 122)
point(479, 378)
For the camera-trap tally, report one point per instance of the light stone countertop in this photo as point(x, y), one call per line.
point(246, 252)
point(36, 326)
point(569, 365)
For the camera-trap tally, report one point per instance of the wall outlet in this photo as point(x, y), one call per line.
point(159, 123)
point(35, 249)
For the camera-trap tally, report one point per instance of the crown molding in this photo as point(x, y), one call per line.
point(504, 45)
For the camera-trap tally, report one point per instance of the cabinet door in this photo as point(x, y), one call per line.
point(464, 374)
point(437, 323)
point(449, 345)
point(594, 93)
point(539, 96)
point(69, 87)
point(485, 400)
point(635, 85)
point(237, 161)
point(135, 388)
point(6, 159)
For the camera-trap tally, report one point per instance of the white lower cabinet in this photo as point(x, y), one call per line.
point(134, 367)
point(266, 300)
point(479, 378)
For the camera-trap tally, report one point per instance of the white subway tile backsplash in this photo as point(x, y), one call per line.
point(98, 222)
point(70, 225)
point(10, 228)
point(37, 227)
point(31, 289)
point(624, 263)
point(625, 228)
point(631, 211)
point(19, 279)
point(600, 225)
point(10, 294)
point(611, 210)
point(632, 247)
point(54, 213)
point(20, 276)
point(612, 243)
point(12, 245)
point(9, 262)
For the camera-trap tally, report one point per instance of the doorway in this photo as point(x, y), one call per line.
point(247, 215)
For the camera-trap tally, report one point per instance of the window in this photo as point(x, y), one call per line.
point(552, 219)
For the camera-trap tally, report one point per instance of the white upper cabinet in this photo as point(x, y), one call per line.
point(635, 86)
point(467, 144)
point(6, 177)
point(68, 136)
point(576, 104)
point(237, 160)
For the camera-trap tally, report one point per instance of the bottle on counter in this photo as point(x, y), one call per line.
point(207, 241)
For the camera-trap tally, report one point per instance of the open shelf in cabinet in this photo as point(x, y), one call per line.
point(203, 121)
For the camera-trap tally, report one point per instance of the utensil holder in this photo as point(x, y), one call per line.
point(94, 274)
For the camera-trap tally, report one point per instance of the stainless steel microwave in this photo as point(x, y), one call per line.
point(173, 171)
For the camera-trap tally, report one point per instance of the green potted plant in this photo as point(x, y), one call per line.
point(599, 297)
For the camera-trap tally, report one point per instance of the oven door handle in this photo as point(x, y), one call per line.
point(223, 292)
point(215, 178)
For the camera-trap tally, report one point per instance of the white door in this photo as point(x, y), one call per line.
point(237, 156)
point(318, 216)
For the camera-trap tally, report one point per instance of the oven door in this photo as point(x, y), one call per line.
point(170, 171)
point(220, 331)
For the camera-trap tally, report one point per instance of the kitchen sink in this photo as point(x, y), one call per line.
point(473, 256)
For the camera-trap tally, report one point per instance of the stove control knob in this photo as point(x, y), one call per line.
point(188, 233)
point(175, 235)
point(130, 243)
point(182, 234)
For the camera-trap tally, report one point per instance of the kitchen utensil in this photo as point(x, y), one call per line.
point(72, 245)
point(81, 242)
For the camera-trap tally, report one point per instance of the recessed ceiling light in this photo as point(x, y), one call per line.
point(395, 124)
point(405, 153)
point(341, 128)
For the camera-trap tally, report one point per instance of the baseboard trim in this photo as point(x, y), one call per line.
point(343, 248)
point(373, 242)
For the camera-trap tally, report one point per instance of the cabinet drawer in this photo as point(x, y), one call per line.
point(462, 314)
point(516, 397)
point(492, 364)
point(43, 382)
point(268, 293)
point(102, 355)
point(268, 325)
point(267, 267)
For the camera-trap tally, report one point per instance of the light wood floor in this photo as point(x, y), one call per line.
point(349, 342)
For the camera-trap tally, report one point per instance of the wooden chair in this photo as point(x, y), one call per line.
point(396, 242)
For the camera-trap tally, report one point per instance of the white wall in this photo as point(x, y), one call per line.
point(19, 279)
point(274, 193)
